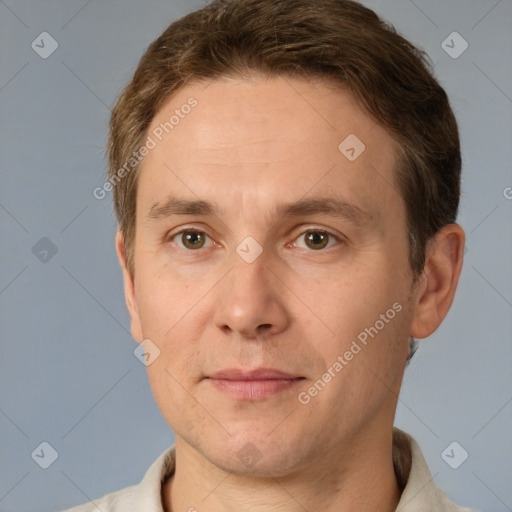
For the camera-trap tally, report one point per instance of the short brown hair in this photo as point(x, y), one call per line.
point(340, 40)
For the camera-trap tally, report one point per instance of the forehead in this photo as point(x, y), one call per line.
point(229, 110)
point(245, 138)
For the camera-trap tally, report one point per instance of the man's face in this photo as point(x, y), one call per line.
point(252, 286)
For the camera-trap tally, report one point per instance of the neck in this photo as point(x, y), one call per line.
point(358, 477)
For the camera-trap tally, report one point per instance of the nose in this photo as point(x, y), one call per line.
point(251, 300)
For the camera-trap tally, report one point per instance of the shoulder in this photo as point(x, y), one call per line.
point(144, 496)
point(114, 502)
point(420, 493)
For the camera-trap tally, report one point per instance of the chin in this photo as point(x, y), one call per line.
point(256, 456)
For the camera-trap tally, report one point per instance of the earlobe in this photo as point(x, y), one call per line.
point(437, 286)
point(129, 288)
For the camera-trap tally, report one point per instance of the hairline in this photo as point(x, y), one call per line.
point(248, 73)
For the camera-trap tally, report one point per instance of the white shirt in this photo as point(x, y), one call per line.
point(420, 494)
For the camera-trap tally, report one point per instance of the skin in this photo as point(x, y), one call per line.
point(251, 144)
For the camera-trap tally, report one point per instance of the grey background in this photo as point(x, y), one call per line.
point(68, 375)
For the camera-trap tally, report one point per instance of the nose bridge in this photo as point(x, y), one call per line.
point(249, 300)
point(248, 283)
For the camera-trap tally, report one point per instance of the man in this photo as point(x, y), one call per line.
point(286, 180)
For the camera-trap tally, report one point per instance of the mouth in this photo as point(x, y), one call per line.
point(253, 385)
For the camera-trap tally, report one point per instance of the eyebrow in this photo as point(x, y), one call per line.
point(311, 206)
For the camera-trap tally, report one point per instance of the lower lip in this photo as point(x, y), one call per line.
point(254, 389)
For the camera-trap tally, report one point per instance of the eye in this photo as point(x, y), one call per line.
point(316, 240)
point(190, 239)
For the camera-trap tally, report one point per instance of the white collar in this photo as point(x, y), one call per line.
point(419, 494)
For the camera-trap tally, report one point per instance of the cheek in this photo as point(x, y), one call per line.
point(163, 299)
point(172, 315)
point(366, 310)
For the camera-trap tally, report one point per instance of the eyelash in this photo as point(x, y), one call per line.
point(171, 237)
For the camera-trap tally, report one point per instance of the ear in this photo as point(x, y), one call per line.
point(437, 284)
point(129, 289)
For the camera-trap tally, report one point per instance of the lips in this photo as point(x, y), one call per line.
point(253, 385)
point(258, 374)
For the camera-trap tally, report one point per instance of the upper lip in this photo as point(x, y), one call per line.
point(258, 374)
